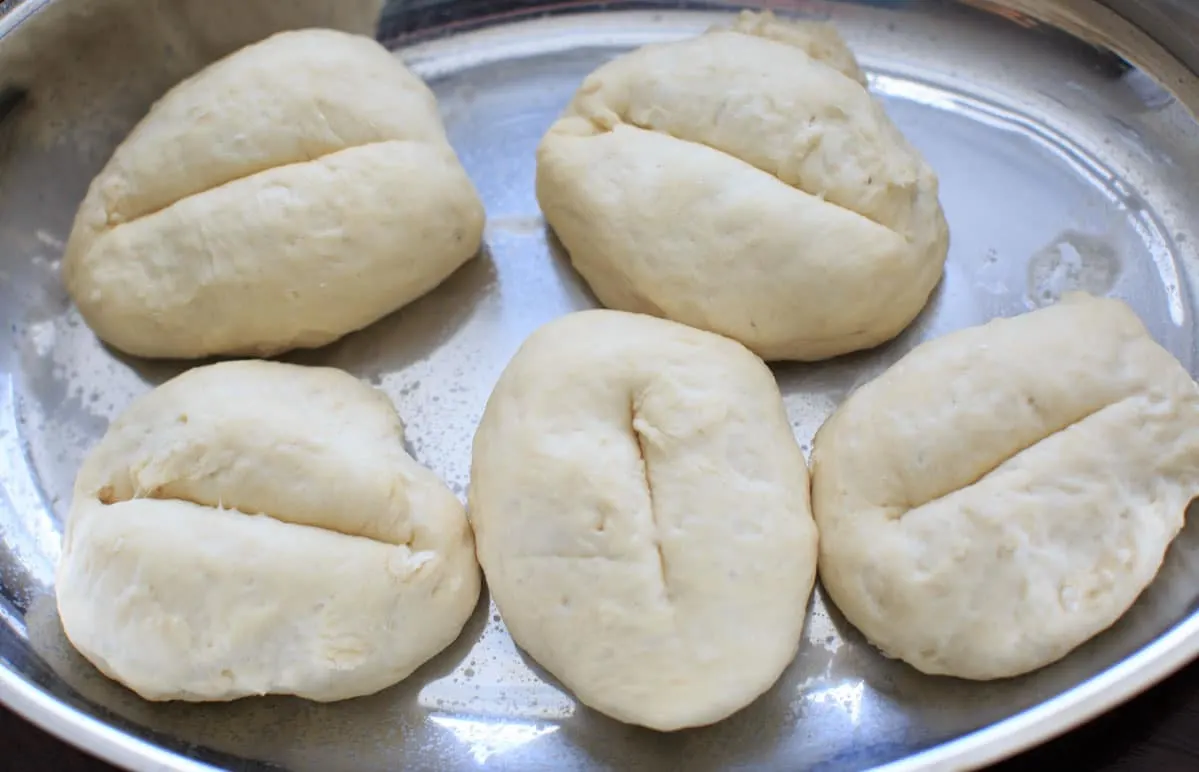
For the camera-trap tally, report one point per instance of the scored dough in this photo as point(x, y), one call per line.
point(642, 516)
point(255, 527)
point(1004, 493)
point(746, 183)
point(288, 194)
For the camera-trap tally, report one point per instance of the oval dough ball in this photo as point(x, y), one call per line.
point(1004, 493)
point(746, 183)
point(293, 192)
point(257, 528)
point(642, 516)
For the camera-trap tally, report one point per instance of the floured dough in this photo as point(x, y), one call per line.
point(746, 183)
point(1004, 493)
point(288, 194)
point(642, 516)
point(255, 527)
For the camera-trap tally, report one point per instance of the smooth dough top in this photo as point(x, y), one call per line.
point(267, 203)
point(1004, 493)
point(256, 527)
point(745, 182)
point(642, 516)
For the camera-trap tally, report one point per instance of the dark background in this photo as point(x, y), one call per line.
point(1156, 732)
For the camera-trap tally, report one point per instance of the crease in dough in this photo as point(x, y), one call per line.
point(689, 601)
point(297, 108)
point(268, 203)
point(745, 182)
point(114, 219)
point(1004, 493)
point(638, 428)
point(693, 82)
point(254, 528)
point(902, 509)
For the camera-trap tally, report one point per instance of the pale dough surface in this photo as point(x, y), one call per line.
point(745, 182)
point(257, 528)
point(642, 516)
point(1004, 493)
point(293, 192)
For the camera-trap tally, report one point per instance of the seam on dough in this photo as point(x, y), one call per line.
point(562, 556)
point(649, 490)
point(107, 497)
point(898, 515)
point(623, 119)
point(109, 227)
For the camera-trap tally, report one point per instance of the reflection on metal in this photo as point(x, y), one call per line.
point(846, 698)
point(488, 739)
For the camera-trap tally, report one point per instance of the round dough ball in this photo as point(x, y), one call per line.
point(642, 516)
point(1004, 493)
point(746, 183)
point(257, 528)
point(293, 192)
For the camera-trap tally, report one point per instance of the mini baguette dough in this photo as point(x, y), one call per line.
point(746, 183)
point(256, 528)
point(288, 194)
point(1003, 494)
point(642, 516)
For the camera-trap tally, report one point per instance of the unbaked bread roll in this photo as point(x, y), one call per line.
point(257, 528)
point(1004, 493)
point(746, 183)
point(288, 194)
point(642, 516)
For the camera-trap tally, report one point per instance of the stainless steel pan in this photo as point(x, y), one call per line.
point(1065, 135)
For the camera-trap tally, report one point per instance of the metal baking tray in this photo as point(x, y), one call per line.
point(1064, 133)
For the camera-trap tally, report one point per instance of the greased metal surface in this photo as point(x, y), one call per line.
point(1063, 166)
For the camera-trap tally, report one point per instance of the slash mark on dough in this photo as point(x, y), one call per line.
point(649, 489)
